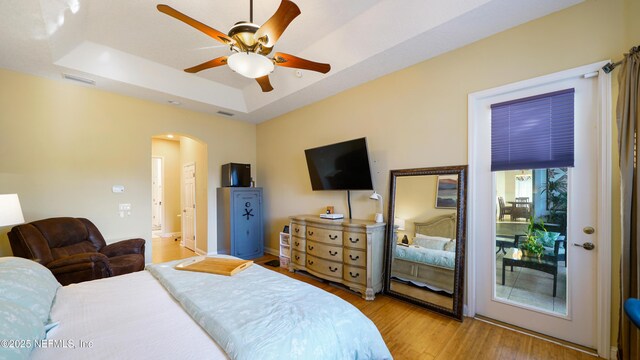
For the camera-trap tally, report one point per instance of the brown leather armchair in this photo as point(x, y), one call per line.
point(74, 250)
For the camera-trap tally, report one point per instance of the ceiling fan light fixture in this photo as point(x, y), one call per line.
point(250, 65)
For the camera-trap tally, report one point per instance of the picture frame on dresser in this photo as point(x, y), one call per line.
point(346, 251)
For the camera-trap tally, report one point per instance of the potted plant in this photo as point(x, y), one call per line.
point(532, 246)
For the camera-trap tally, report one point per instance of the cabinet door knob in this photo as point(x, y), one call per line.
point(297, 257)
point(332, 269)
point(354, 258)
point(310, 262)
point(310, 247)
point(333, 253)
point(354, 241)
point(354, 276)
point(297, 243)
point(333, 237)
point(310, 233)
point(297, 230)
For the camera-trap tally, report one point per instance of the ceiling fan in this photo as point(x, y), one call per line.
point(251, 44)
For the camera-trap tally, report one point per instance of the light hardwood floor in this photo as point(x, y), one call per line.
point(411, 332)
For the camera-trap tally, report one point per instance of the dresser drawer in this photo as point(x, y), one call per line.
point(355, 274)
point(329, 252)
point(298, 244)
point(325, 267)
point(298, 257)
point(327, 236)
point(354, 257)
point(355, 240)
point(298, 230)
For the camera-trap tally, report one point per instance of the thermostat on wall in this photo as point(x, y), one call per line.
point(118, 188)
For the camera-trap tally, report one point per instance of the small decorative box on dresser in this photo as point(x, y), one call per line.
point(344, 251)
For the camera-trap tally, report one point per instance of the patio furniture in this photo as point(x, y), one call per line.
point(504, 209)
point(544, 264)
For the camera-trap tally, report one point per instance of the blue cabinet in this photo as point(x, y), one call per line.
point(240, 224)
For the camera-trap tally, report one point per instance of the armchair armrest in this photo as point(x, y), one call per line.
point(80, 267)
point(124, 247)
point(556, 246)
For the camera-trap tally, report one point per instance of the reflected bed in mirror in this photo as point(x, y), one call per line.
point(425, 240)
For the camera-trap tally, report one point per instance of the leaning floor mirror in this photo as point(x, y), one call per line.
point(426, 238)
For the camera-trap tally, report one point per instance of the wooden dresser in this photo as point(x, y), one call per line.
point(344, 251)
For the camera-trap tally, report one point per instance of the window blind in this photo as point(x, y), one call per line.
point(534, 132)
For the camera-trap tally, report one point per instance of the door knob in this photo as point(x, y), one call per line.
point(586, 246)
point(588, 230)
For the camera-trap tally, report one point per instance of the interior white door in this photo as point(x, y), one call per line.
point(576, 322)
point(189, 211)
point(157, 192)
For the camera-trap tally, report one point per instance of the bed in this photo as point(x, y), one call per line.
point(163, 313)
point(430, 259)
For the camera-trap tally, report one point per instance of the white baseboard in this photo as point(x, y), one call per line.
point(270, 251)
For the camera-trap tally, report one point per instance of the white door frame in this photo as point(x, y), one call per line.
point(195, 199)
point(162, 212)
point(603, 321)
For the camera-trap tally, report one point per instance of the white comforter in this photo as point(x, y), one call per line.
point(124, 317)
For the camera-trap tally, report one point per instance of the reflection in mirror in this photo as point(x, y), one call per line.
point(425, 252)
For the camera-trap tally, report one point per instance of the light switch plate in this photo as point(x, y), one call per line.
point(117, 188)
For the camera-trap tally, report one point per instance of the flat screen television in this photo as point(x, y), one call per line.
point(341, 166)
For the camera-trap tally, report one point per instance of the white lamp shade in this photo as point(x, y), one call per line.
point(399, 223)
point(250, 65)
point(10, 210)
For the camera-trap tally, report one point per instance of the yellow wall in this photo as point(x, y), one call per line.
point(169, 151)
point(417, 117)
point(63, 146)
point(195, 152)
point(416, 201)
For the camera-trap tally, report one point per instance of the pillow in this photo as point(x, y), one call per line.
point(548, 239)
point(430, 242)
point(28, 284)
point(433, 237)
point(20, 327)
point(450, 245)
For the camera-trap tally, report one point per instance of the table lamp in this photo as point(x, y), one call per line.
point(10, 210)
point(376, 196)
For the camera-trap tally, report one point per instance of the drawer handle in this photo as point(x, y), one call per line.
point(354, 258)
point(333, 253)
point(310, 262)
point(332, 269)
point(297, 243)
point(310, 247)
point(333, 237)
point(297, 230)
point(354, 241)
point(354, 276)
point(297, 257)
point(310, 233)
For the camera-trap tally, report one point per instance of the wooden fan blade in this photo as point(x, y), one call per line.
point(217, 35)
point(222, 60)
point(271, 30)
point(265, 84)
point(286, 60)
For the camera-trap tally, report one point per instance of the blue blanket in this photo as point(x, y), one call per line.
point(261, 314)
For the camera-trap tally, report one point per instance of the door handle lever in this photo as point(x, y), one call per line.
point(586, 246)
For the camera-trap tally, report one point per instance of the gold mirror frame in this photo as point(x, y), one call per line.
point(456, 311)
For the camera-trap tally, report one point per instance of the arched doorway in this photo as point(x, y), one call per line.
point(179, 197)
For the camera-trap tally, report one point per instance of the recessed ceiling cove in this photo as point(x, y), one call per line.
point(131, 48)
